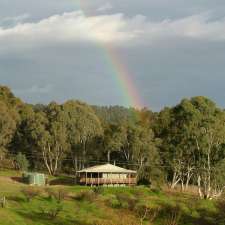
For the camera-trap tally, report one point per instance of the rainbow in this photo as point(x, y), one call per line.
point(122, 75)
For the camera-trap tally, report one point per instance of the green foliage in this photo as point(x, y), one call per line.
point(146, 213)
point(22, 162)
point(193, 138)
point(126, 200)
point(89, 196)
point(58, 194)
point(150, 208)
point(98, 190)
point(182, 145)
point(31, 192)
point(173, 214)
point(51, 209)
point(115, 114)
point(8, 97)
point(112, 201)
point(8, 122)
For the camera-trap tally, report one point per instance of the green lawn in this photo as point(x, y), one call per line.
point(103, 206)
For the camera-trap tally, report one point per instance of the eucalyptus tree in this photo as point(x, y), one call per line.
point(8, 124)
point(218, 180)
point(9, 118)
point(58, 146)
point(9, 98)
point(46, 132)
point(144, 147)
point(165, 129)
point(193, 133)
point(113, 139)
point(181, 143)
point(83, 126)
point(209, 136)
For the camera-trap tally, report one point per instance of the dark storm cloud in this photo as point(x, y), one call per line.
point(174, 50)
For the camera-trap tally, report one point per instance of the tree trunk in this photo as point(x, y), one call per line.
point(199, 187)
point(45, 158)
point(108, 156)
point(84, 154)
point(189, 176)
point(176, 179)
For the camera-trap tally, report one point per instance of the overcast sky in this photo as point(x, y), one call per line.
point(52, 49)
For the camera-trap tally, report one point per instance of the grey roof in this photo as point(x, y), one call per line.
point(106, 168)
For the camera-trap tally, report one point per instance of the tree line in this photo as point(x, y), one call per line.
point(182, 145)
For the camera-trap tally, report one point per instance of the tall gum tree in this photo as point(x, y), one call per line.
point(49, 134)
point(83, 126)
point(9, 118)
point(8, 124)
point(192, 134)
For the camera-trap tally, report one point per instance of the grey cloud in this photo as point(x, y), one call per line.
point(35, 89)
point(113, 29)
point(183, 57)
point(106, 7)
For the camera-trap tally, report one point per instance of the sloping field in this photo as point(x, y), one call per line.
point(71, 205)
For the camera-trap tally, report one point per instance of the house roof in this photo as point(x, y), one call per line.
point(106, 168)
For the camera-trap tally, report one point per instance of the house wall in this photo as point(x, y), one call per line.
point(114, 176)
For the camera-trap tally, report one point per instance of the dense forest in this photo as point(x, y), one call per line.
point(180, 146)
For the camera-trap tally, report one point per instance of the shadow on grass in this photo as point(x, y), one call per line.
point(16, 199)
point(192, 214)
point(17, 179)
point(208, 217)
point(39, 218)
point(220, 218)
point(69, 181)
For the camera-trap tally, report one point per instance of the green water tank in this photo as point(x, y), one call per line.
point(34, 178)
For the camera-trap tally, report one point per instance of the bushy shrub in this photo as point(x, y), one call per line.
point(52, 210)
point(31, 192)
point(138, 193)
point(113, 202)
point(85, 196)
point(22, 162)
point(58, 194)
point(173, 214)
point(156, 190)
point(145, 212)
point(98, 190)
point(126, 201)
point(121, 200)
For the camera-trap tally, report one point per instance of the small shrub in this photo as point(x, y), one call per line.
point(114, 203)
point(126, 201)
point(30, 193)
point(58, 194)
point(145, 212)
point(22, 162)
point(62, 194)
point(52, 211)
point(156, 190)
point(174, 215)
point(85, 196)
point(138, 193)
point(98, 190)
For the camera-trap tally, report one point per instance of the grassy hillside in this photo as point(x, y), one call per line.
point(71, 205)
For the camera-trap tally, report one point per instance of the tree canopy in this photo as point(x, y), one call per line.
point(179, 146)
